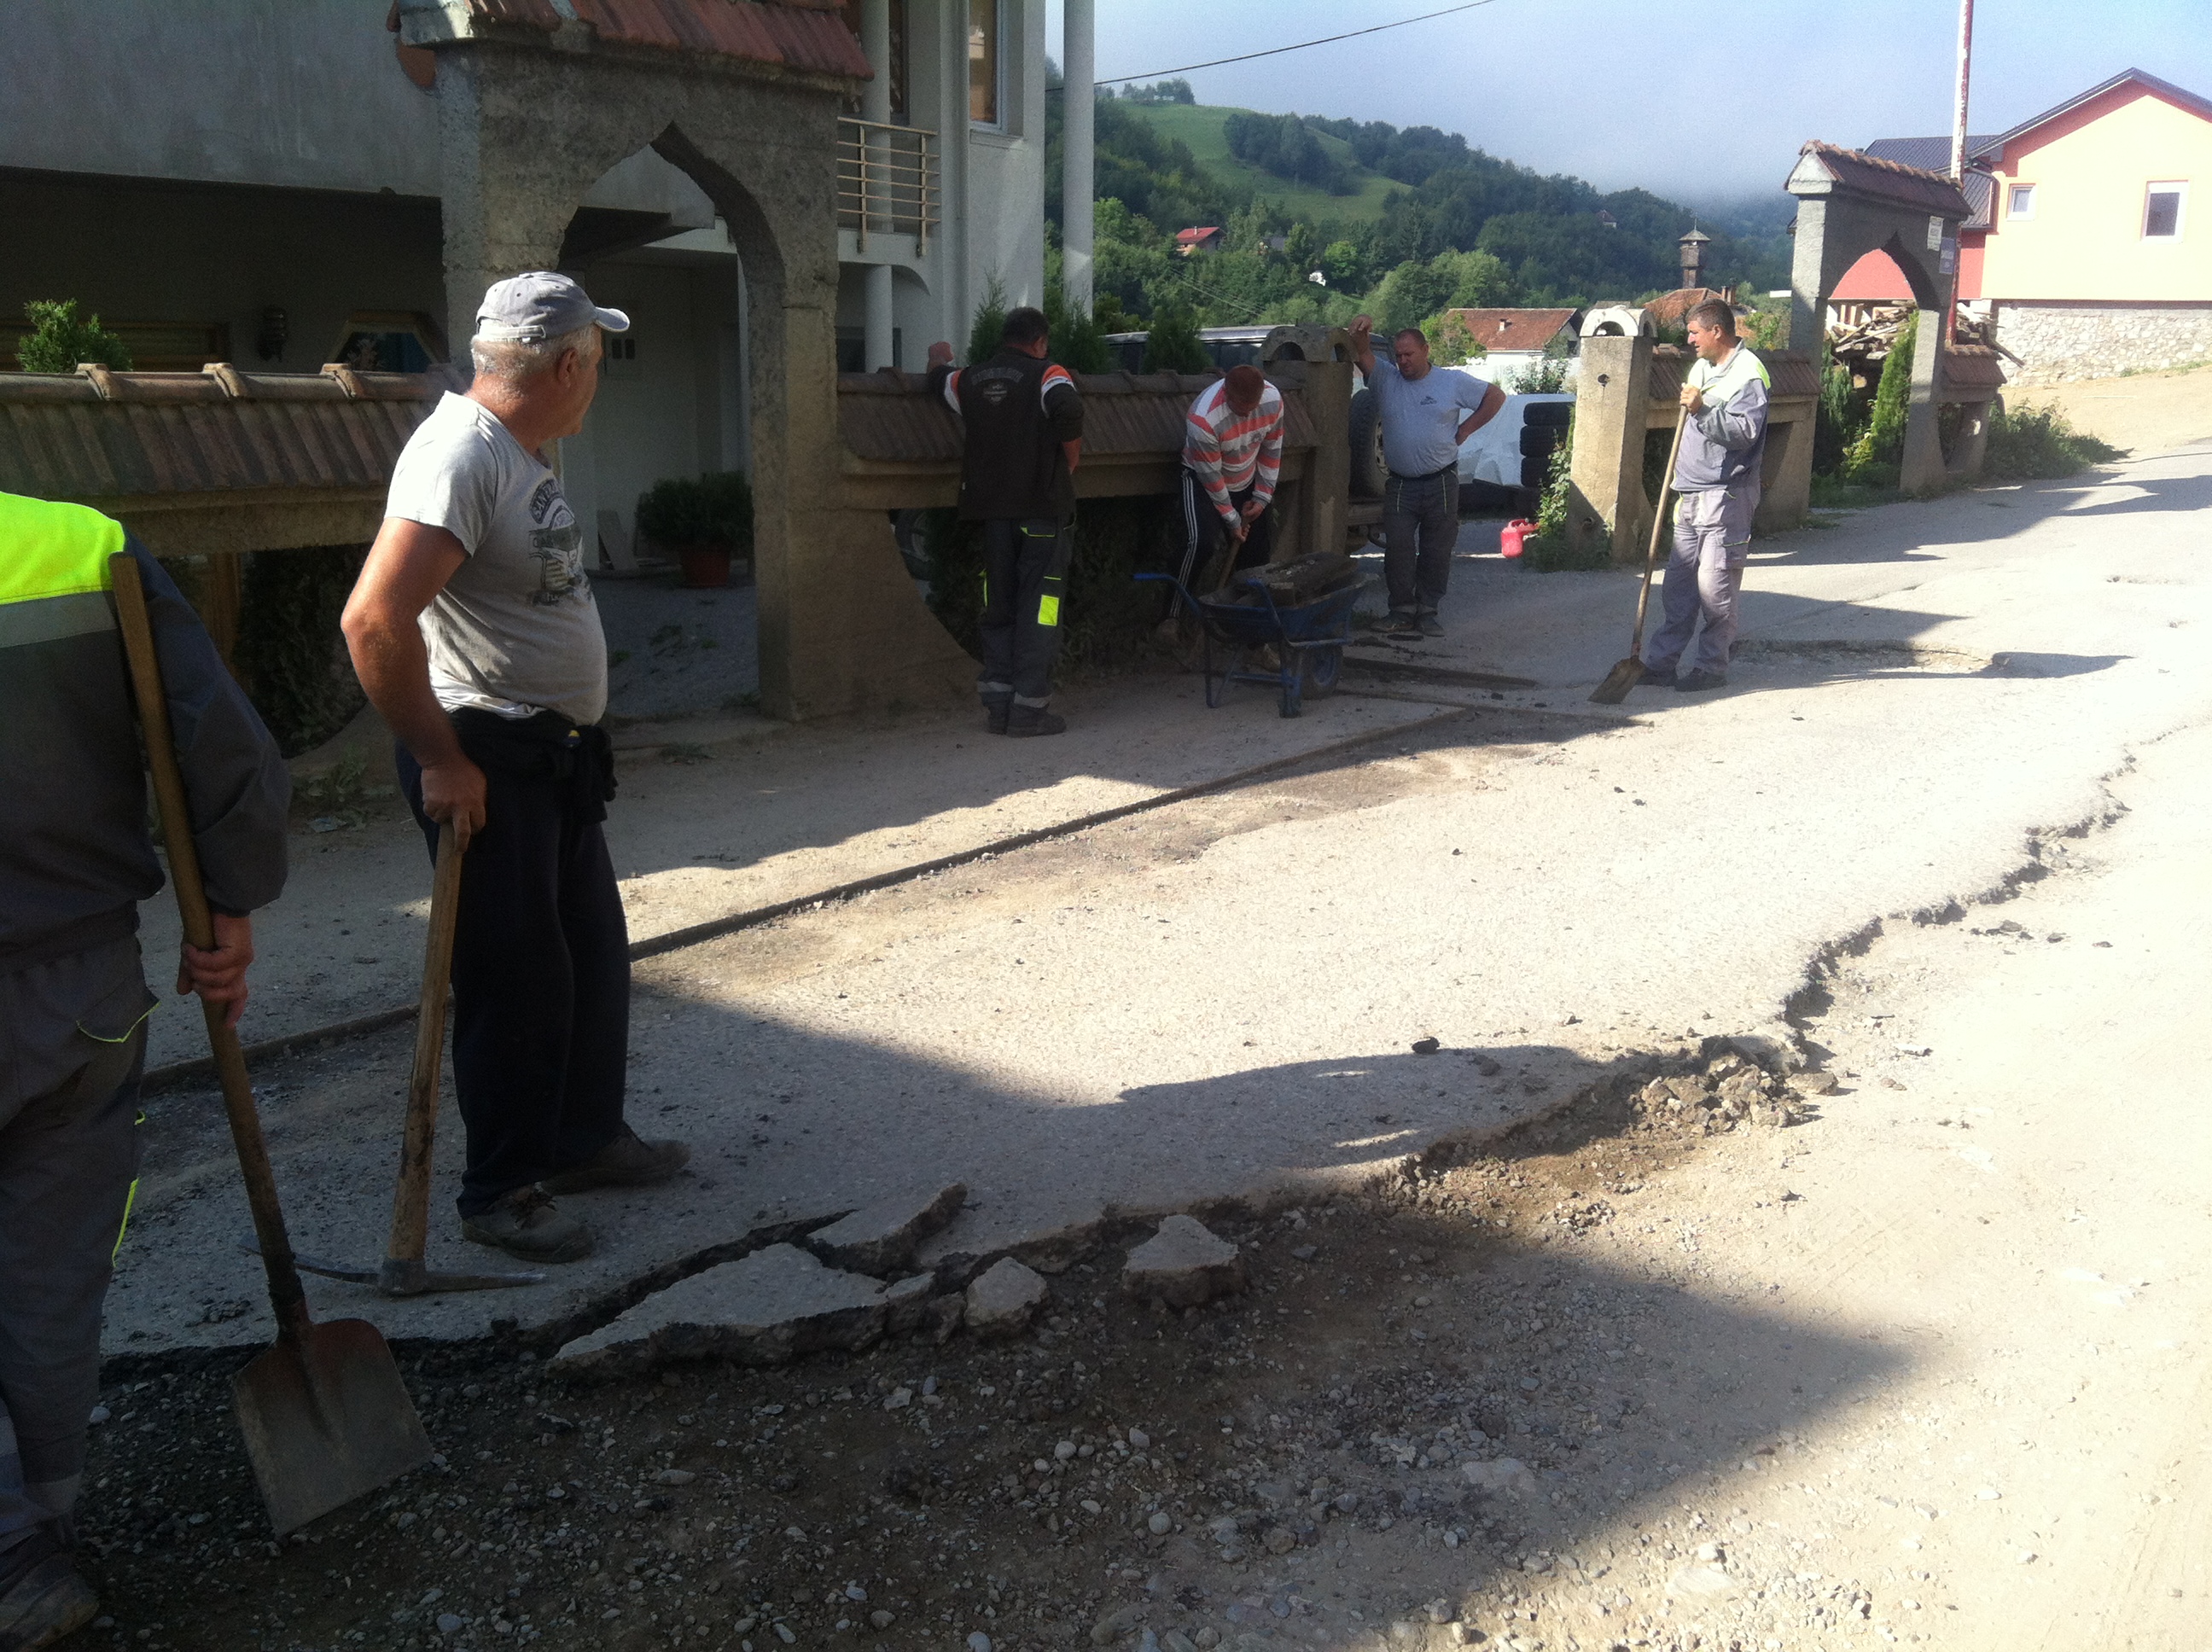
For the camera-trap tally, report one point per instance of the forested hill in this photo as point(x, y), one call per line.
point(1360, 201)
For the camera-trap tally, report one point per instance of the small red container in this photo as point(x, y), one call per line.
point(1510, 537)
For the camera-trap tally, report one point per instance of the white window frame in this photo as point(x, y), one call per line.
point(2013, 203)
point(2179, 188)
point(1002, 124)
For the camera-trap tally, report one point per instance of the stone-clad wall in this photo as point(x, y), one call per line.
point(2058, 342)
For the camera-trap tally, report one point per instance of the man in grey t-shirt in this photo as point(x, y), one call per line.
point(1425, 412)
point(474, 631)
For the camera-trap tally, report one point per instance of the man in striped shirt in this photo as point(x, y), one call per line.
point(1232, 453)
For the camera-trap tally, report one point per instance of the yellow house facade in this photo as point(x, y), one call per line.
point(2092, 246)
point(2096, 204)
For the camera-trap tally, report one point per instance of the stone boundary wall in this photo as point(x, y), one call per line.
point(2056, 342)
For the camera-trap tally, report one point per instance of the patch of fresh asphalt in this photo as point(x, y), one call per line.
point(1216, 999)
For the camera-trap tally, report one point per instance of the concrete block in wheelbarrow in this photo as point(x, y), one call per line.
point(1184, 1264)
point(773, 1306)
point(882, 1238)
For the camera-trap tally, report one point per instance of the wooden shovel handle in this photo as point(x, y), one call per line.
point(286, 1293)
point(410, 1199)
point(1658, 524)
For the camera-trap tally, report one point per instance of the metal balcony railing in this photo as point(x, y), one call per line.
point(887, 181)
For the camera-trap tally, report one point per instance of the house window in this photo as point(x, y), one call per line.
point(388, 341)
point(2162, 211)
point(2021, 202)
point(985, 76)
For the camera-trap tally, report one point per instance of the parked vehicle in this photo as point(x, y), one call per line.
point(1230, 347)
point(1502, 466)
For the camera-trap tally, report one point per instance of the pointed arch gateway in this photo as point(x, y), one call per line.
point(1849, 205)
point(537, 100)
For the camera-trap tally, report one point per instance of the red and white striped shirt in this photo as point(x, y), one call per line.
point(1230, 451)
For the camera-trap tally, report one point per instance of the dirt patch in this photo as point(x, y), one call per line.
point(1291, 1466)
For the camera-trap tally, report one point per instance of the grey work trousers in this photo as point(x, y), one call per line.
point(1421, 530)
point(1705, 575)
point(72, 1046)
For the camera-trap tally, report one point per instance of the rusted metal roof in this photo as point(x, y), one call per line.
point(891, 417)
point(807, 34)
point(1791, 372)
point(1888, 180)
point(99, 434)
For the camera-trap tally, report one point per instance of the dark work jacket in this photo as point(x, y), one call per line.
point(75, 856)
point(1018, 411)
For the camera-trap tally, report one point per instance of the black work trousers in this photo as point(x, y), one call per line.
point(1024, 578)
point(541, 984)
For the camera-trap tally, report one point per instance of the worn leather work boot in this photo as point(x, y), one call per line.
point(1656, 677)
point(995, 708)
point(525, 1223)
point(625, 1162)
point(42, 1598)
point(1023, 720)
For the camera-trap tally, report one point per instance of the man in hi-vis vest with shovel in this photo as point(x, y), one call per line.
point(76, 858)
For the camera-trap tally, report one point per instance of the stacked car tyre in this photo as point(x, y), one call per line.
point(1543, 430)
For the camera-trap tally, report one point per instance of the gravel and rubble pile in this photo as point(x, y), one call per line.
point(1442, 1412)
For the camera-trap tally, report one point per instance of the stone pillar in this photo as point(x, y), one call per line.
point(1076, 151)
point(1318, 362)
point(1922, 469)
point(882, 332)
point(500, 218)
point(1807, 279)
point(1606, 504)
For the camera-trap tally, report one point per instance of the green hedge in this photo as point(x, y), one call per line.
point(1108, 618)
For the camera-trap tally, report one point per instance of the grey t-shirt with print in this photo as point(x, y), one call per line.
point(515, 630)
point(1421, 416)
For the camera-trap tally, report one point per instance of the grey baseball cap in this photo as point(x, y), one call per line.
point(531, 308)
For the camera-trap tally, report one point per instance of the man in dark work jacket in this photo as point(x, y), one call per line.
point(1024, 422)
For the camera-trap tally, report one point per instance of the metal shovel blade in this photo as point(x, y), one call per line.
point(327, 1419)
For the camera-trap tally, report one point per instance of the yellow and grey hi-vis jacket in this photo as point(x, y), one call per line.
point(75, 855)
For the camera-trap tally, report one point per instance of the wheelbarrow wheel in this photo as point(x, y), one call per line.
point(1322, 666)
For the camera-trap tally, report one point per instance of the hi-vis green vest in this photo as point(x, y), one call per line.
point(75, 854)
point(54, 578)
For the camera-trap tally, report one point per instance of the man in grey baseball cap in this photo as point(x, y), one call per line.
point(474, 631)
point(540, 305)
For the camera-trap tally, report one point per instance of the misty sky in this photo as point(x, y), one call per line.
point(1609, 90)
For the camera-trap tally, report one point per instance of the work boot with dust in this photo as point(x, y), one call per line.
point(42, 1598)
point(625, 1162)
point(527, 1225)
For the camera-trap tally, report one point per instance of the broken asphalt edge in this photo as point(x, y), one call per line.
point(1053, 1251)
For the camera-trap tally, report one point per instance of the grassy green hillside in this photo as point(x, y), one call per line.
point(1200, 125)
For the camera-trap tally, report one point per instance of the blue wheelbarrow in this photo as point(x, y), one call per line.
point(1307, 639)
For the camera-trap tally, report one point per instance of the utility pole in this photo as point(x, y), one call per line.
point(1076, 175)
point(1959, 121)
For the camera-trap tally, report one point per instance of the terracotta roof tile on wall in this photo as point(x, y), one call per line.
point(891, 417)
point(1932, 192)
point(1514, 330)
point(796, 34)
point(122, 435)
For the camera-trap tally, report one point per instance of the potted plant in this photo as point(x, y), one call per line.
point(706, 520)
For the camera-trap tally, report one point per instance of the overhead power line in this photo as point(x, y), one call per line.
point(1277, 50)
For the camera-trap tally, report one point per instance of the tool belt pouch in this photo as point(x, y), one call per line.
point(578, 759)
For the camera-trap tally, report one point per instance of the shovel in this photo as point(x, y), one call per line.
point(326, 1415)
point(403, 1273)
point(1623, 676)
